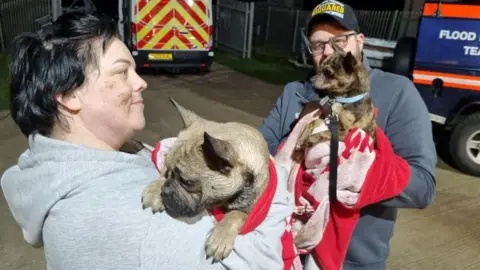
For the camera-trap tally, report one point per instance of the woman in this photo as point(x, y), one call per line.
point(76, 96)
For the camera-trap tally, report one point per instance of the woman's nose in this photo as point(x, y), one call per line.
point(140, 84)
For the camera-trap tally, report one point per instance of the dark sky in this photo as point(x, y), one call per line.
point(111, 5)
point(308, 4)
point(362, 4)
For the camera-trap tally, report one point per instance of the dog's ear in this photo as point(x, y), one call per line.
point(219, 154)
point(349, 63)
point(336, 48)
point(187, 116)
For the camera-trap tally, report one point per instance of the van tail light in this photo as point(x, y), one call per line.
point(211, 36)
point(134, 36)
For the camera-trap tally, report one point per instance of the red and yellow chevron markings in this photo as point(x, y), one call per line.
point(172, 24)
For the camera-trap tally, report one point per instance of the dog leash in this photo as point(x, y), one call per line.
point(332, 122)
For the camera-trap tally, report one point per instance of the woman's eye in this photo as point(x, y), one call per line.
point(123, 72)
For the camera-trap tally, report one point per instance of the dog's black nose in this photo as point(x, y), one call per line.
point(167, 190)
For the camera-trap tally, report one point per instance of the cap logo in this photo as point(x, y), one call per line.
point(333, 8)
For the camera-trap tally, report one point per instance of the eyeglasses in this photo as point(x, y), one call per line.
point(318, 47)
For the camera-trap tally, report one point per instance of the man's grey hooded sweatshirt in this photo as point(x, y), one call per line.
point(84, 206)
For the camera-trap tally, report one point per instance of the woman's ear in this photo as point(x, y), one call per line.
point(70, 102)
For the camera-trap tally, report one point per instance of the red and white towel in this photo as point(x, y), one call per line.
point(367, 174)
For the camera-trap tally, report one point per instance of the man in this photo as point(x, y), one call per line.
point(402, 115)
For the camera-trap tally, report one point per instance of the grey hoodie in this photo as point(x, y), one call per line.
point(84, 206)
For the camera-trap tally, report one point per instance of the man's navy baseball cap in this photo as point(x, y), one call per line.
point(342, 13)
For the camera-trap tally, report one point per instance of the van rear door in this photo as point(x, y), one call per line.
point(173, 24)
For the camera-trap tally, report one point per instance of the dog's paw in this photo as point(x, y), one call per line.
point(296, 227)
point(347, 119)
point(151, 196)
point(220, 243)
point(316, 138)
point(303, 141)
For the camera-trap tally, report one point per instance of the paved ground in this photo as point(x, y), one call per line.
point(444, 236)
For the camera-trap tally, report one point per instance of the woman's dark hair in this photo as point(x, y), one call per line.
point(53, 61)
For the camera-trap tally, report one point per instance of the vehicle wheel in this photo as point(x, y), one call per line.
point(403, 56)
point(465, 145)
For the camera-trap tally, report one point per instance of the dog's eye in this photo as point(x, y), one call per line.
point(178, 175)
point(187, 182)
point(329, 73)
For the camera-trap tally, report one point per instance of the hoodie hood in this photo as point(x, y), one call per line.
point(51, 169)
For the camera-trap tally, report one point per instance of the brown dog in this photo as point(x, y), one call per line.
point(212, 165)
point(343, 76)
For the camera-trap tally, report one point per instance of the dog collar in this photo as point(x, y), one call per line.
point(351, 99)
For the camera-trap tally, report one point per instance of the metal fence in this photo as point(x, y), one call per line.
point(17, 16)
point(388, 24)
point(277, 29)
point(233, 26)
point(241, 27)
